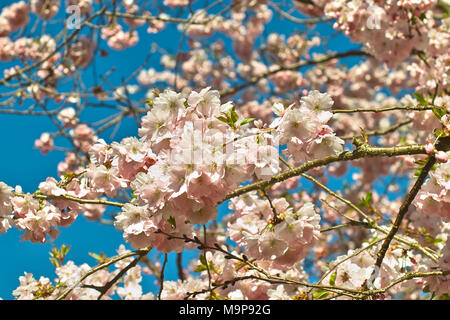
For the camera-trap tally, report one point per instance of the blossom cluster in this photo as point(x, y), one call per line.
point(69, 274)
point(434, 197)
point(304, 129)
point(197, 158)
point(355, 270)
point(193, 150)
point(244, 102)
point(392, 30)
point(279, 234)
point(386, 30)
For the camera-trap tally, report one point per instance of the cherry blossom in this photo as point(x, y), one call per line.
point(289, 170)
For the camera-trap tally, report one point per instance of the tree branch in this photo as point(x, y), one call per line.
point(364, 151)
point(404, 209)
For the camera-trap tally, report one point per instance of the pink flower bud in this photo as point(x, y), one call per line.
point(45, 143)
point(429, 148)
point(441, 156)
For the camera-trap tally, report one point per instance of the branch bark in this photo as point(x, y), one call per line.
point(363, 151)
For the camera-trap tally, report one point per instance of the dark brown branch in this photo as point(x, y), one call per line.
point(180, 266)
point(404, 209)
point(163, 269)
point(103, 290)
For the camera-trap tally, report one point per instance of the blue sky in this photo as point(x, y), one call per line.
point(22, 164)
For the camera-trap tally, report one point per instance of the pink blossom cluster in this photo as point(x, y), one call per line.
point(249, 289)
point(157, 25)
point(434, 197)
point(45, 9)
point(243, 32)
point(260, 111)
point(71, 164)
point(14, 17)
point(174, 188)
point(279, 234)
point(69, 274)
point(389, 29)
point(39, 218)
point(151, 76)
point(198, 161)
point(68, 117)
point(290, 50)
point(44, 143)
point(5, 207)
point(439, 285)
point(84, 137)
point(81, 52)
point(199, 67)
point(303, 129)
point(132, 8)
point(118, 39)
point(85, 6)
point(195, 147)
point(193, 151)
point(40, 214)
point(433, 74)
point(28, 49)
point(355, 270)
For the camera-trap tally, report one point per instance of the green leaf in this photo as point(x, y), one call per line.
point(369, 197)
point(225, 120)
point(418, 172)
point(200, 268)
point(57, 256)
point(439, 112)
point(64, 250)
point(54, 262)
point(367, 201)
point(203, 265)
point(421, 99)
point(320, 294)
point(245, 121)
point(95, 256)
point(99, 257)
point(69, 176)
point(432, 240)
point(426, 289)
point(203, 260)
point(234, 116)
point(213, 268)
point(172, 222)
point(438, 133)
point(333, 278)
point(420, 162)
point(429, 239)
